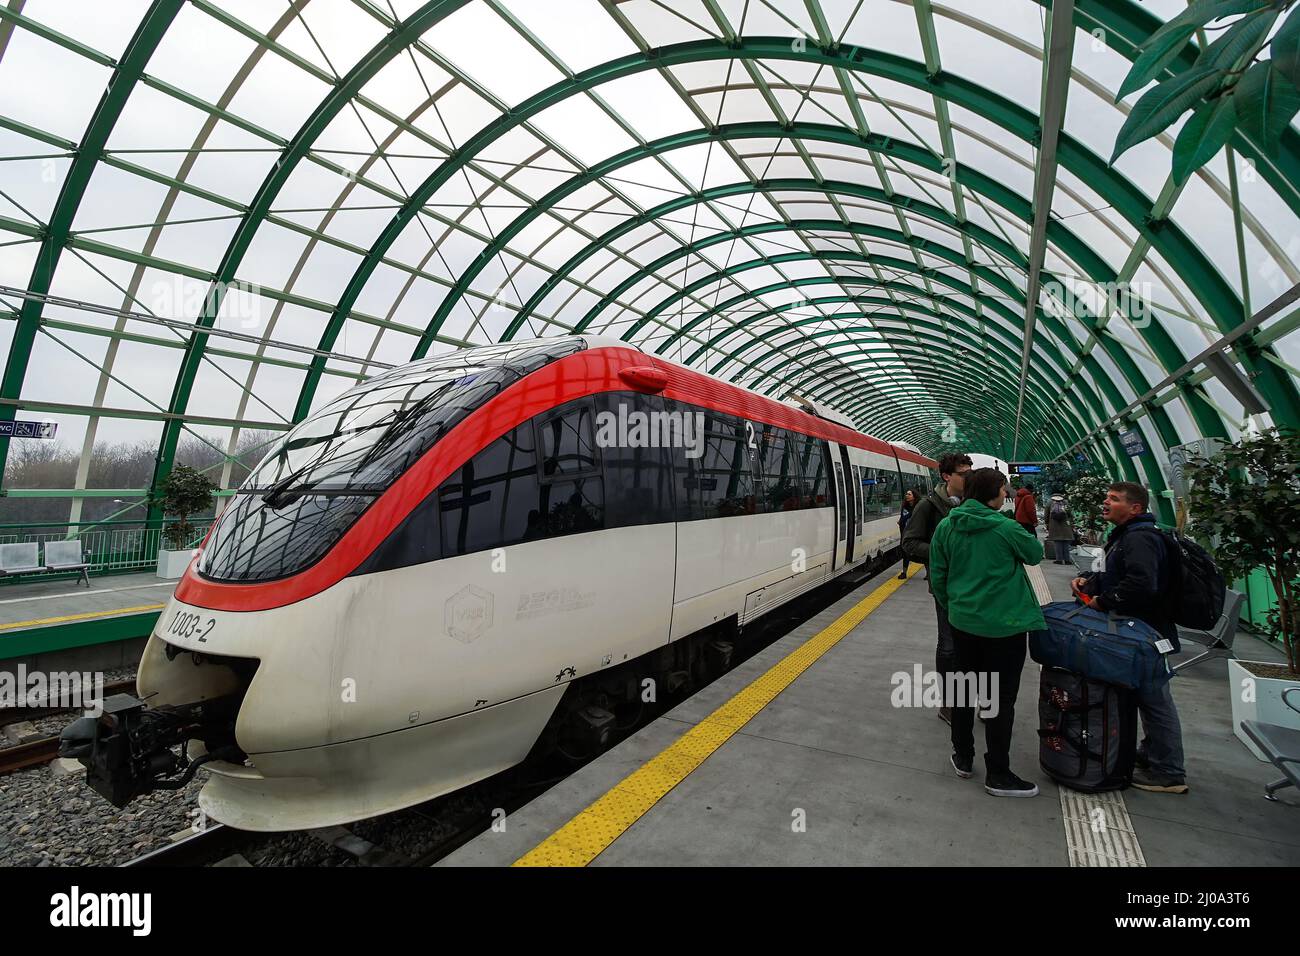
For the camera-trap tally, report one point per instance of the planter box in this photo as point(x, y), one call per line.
point(172, 564)
point(1267, 707)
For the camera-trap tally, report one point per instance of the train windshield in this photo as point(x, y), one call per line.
point(324, 473)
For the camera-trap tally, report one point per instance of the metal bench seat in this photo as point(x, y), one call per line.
point(1217, 641)
point(66, 556)
point(60, 556)
point(1281, 745)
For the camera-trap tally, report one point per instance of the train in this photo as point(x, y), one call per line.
point(471, 556)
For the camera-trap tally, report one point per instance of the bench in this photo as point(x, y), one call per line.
point(1218, 640)
point(66, 556)
point(60, 556)
point(1281, 745)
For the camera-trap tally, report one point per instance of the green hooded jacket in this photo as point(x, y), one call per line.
point(976, 571)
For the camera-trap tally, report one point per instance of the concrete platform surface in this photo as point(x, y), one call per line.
point(36, 603)
point(831, 773)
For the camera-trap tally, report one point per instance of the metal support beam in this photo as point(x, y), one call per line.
point(1059, 53)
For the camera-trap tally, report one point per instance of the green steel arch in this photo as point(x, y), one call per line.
point(1220, 301)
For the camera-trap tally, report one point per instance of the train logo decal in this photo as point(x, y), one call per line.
point(468, 613)
point(533, 604)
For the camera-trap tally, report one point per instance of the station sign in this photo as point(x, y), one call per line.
point(1132, 442)
point(1025, 467)
point(17, 429)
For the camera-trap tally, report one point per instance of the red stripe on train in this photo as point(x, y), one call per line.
point(575, 376)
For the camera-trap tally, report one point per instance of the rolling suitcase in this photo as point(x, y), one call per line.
point(1087, 731)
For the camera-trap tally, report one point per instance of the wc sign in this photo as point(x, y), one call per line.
point(28, 429)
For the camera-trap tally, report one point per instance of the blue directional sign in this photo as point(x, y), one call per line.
point(28, 429)
point(1132, 442)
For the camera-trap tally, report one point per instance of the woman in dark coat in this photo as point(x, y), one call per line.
point(1060, 527)
point(910, 501)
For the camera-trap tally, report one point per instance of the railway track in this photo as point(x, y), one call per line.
point(29, 754)
point(43, 750)
point(13, 715)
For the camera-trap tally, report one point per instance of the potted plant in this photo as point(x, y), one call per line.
point(184, 492)
point(1245, 498)
point(1085, 495)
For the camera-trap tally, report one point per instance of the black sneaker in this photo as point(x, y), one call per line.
point(902, 575)
point(945, 714)
point(1007, 784)
point(963, 765)
point(1158, 782)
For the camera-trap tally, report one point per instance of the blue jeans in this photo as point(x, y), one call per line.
point(1062, 550)
point(1163, 743)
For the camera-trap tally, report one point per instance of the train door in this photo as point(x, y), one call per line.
point(849, 528)
point(843, 499)
point(859, 542)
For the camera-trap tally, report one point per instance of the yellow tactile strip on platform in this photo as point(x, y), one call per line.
point(589, 833)
point(63, 619)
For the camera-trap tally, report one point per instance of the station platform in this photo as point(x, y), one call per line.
point(798, 758)
point(40, 618)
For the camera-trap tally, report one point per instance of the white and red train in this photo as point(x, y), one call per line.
point(464, 552)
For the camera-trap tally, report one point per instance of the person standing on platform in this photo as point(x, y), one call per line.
point(1135, 581)
point(1060, 527)
point(910, 501)
point(1027, 509)
point(977, 560)
point(926, 516)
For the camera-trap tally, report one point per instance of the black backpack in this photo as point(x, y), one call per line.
point(1197, 589)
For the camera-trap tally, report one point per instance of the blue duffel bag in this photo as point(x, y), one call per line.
point(1105, 647)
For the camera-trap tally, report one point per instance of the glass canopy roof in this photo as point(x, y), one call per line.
point(217, 215)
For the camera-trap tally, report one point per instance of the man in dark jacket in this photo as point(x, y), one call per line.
point(1135, 581)
point(926, 516)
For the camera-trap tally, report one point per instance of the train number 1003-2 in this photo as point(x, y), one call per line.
point(188, 624)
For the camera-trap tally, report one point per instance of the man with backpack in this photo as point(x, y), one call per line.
point(1137, 580)
point(926, 516)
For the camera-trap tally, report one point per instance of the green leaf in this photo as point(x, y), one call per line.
point(1157, 53)
point(1161, 105)
point(1266, 100)
point(1285, 48)
point(1201, 12)
point(1238, 40)
point(1203, 135)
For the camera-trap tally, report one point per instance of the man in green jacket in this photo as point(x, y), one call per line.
point(926, 516)
point(977, 557)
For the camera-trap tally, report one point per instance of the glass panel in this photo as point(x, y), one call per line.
point(364, 439)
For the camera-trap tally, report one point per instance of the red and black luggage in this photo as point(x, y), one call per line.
point(1087, 731)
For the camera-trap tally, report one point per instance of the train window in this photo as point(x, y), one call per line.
point(820, 493)
point(493, 499)
point(720, 483)
point(363, 440)
point(779, 468)
point(638, 461)
point(255, 541)
point(322, 474)
point(567, 441)
point(857, 498)
point(870, 493)
point(414, 541)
